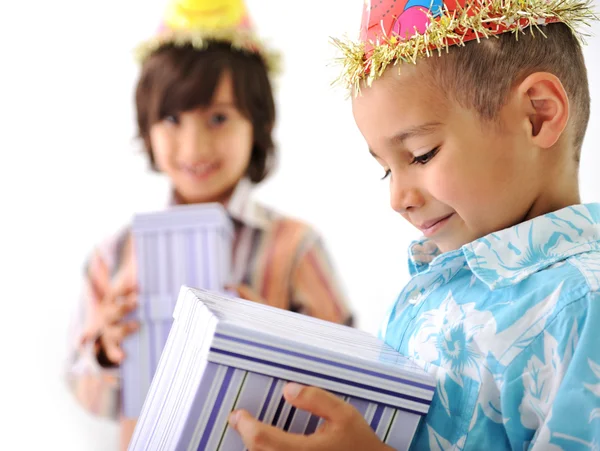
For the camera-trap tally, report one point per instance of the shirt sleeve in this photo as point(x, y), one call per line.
point(316, 290)
point(551, 395)
point(95, 387)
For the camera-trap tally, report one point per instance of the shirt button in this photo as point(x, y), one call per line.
point(415, 298)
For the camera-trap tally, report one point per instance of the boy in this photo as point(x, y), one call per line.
point(481, 146)
point(206, 114)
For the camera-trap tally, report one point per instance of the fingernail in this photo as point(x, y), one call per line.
point(292, 390)
point(234, 418)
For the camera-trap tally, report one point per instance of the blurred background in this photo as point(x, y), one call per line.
point(72, 172)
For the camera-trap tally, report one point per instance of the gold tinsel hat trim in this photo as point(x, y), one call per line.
point(201, 22)
point(241, 40)
point(405, 33)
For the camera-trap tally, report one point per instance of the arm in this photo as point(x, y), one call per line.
point(94, 383)
point(315, 288)
point(553, 393)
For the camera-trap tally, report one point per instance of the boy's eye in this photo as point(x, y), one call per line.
point(172, 119)
point(426, 158)
point(387, 174)
point(218, 119)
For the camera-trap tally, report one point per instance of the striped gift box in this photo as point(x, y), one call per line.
point(225, 353)
point(184, 245)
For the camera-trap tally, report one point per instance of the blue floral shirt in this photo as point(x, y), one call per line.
point(509, 326)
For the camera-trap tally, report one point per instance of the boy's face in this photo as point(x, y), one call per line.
point(452, 175)
point(205, 152)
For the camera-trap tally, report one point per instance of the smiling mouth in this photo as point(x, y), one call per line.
point(200, 170)
point(429, 228)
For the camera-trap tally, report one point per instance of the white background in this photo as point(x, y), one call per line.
point(72, 172)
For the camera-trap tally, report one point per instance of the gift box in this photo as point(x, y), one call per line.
point(183, 245)
point(225, 353)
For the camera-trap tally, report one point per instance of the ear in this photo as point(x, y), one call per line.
point(547, 105)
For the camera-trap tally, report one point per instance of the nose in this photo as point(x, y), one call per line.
point(195, 140)
point(405, 196)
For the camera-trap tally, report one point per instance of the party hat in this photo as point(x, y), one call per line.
point(199, 22)
point(394, 31)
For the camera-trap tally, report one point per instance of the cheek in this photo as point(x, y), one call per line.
point(236, 145)
point(451, 179)
point(447, 186)
point(163, 148)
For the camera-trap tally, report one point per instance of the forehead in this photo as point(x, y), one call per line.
point(224, 89)
point(398, 99)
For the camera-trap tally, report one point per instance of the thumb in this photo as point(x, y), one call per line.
point(317, 401)
point(260, 436)
point(98, 276)
point(124, 283)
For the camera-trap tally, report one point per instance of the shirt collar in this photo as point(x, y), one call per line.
point(241, 207)
point(509, 256)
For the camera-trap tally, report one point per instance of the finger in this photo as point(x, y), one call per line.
point(115, 312)
point(124, 283)
point(119, 331)
point(98, 276)
point(122, 286)
point(113, 352)
point(318, 402)
point(258, 436)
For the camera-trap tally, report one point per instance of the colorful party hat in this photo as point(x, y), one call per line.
point(394, 31)
point(199, 22)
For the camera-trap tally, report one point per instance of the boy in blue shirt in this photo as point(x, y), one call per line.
point(481, 146)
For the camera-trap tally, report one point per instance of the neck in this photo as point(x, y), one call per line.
point(559, 189)
point(222, 198)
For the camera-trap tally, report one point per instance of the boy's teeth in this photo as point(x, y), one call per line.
point(201, 168)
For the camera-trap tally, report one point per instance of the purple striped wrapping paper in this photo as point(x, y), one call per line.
point(184, 245)
point(225, 353)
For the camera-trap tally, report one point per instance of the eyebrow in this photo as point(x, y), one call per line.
point(402, 136)
point(419, 130)
point(222, 104)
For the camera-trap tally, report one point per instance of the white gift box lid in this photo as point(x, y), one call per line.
point(296, 347)
point(174, 218)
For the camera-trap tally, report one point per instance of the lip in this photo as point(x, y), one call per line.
point(201, 170)
point(429, 228)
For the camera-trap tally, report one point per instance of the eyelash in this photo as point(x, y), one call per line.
point(218, 119)
point(215, 119)
point(422, 159)
point(172, 118)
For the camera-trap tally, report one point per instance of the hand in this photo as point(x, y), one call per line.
point(245, 292)
point(344, 428)
point(114, 300)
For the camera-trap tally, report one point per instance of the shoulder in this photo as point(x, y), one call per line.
point(576, 281)
point(285, 225)
point(572, 280)
point(587, 266)
point(568, 305)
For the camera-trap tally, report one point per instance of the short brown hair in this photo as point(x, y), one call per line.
point(481, 75)
point(175, 79)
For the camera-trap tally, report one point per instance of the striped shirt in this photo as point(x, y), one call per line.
point(281, 259)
